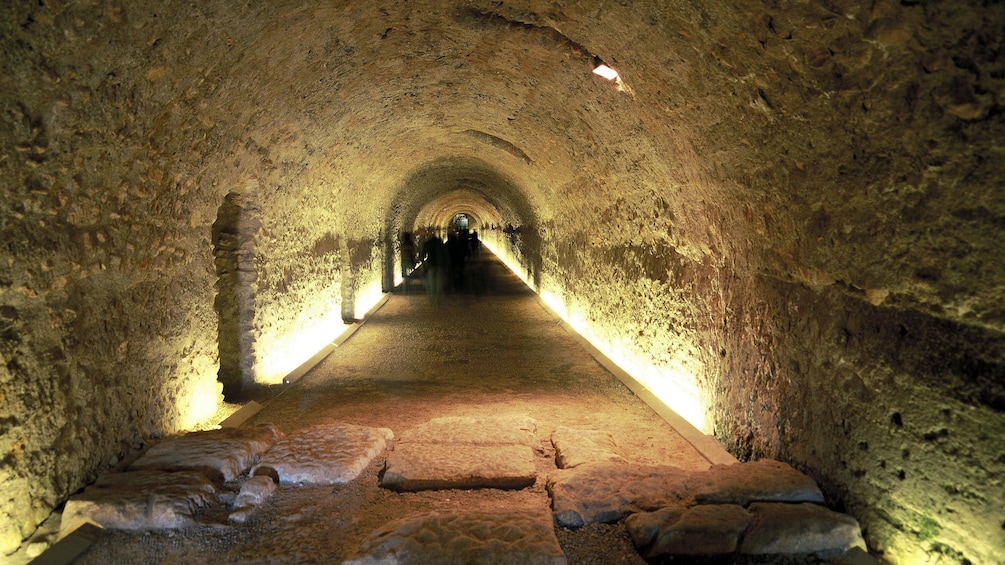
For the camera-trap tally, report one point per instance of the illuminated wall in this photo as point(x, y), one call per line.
point(784, 218)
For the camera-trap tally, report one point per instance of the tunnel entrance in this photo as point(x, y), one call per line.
point(233, 250)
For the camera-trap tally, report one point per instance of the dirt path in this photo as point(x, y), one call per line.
point(495, 352)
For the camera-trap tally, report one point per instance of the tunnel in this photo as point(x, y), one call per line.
point(785, 219)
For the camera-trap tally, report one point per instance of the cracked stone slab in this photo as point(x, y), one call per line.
point(418, 466)
point(757, 481)
point(476, 431)
point(609, 492)
point(139, 500)
point(574, 447)
point(605, 492)
point(327, 454)
point(489, 538)
point(712, 529)
point(221, 455)
point(254, 492)
point(779, 529)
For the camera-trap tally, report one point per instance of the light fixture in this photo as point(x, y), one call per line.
point(601, 69)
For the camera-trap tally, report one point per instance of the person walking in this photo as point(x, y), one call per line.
point(407, 260)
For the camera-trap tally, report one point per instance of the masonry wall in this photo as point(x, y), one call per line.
point(789, 216)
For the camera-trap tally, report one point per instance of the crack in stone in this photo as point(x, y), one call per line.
point(499, 143)
point(487, 18)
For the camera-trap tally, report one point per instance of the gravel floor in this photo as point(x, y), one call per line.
point(488, 353)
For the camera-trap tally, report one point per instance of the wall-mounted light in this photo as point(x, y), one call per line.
point(602, 69)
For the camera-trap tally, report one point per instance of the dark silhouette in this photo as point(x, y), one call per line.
point(457, 249)
point(475, 244)
point(407, 260)
point(435, 262)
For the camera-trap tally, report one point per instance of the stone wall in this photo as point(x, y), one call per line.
point(790, 211)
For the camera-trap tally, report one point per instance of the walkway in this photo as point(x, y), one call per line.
point(476, 374)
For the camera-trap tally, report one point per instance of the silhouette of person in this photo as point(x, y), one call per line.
point(434, 263)
point(475, 244)
point(407, 260)
point(457, 249)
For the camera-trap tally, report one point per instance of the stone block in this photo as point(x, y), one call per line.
point(644, 527)
point(608, 492)
point(489, 538)
point(575, 447)
point(323, 455)
point(420, 466)
point(475, 430)
point(712, 529)
point(758, 481)
point(779, 529)
point(221, 455)
point(139, 500)
point(254, 492)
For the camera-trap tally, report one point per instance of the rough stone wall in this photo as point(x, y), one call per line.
point(825, 255)
point(106, 255)
point(794, 206)
point(122, 130)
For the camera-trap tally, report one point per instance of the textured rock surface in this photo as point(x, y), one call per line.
point(465, 452)
point(475, 430)
point(604, 492)
point(139, 500)
point(574, 447)
point(765, 480)
point(221, 455)
point(254, 491)
point(326, 454)
point(700, 530)
point(608, 493)
point(792, 213)
point(513, 538)
point(800, 528)
point(435, 466)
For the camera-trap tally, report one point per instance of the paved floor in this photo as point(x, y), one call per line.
point(489, 349)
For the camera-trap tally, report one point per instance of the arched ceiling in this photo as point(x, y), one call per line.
point(433, 195)
point(441, 211)
point(389, 105)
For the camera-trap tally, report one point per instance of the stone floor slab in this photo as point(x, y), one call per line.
point(475, 430)
point(780, 529)
point(221, 455)
point(139, 500)
point(712, 529)
point(757, 481)
point(475, 538)
point(419, 466)
point(254, 492)
point(326, 454)
point(609, 492)
point(574, 447)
